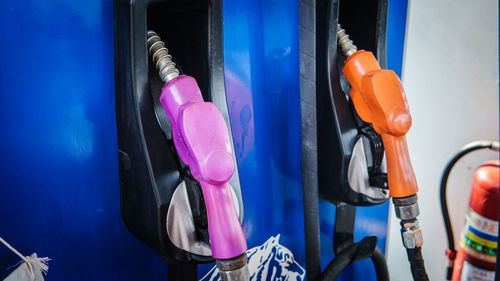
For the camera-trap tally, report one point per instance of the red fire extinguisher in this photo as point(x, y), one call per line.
point(476, 256)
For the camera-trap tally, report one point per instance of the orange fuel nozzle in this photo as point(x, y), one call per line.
point(379, 99)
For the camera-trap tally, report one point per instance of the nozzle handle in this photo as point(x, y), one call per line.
point(401, 178)
point(379, 99)
point(226, 234)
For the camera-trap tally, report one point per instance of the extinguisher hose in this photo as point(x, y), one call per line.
point(444, 203)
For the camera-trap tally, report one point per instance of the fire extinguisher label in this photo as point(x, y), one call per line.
point(482, 224)
point(479, 237)
point(472, 273)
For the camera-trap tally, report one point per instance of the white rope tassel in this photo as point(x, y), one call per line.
point(41, 263)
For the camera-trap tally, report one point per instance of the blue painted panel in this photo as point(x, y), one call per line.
point(261, 55)
point(266, 78)
point(262, 70)
point(59, 193)
point(396, 28)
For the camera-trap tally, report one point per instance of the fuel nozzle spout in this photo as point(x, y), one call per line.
point(379, 99)
point(235, 269)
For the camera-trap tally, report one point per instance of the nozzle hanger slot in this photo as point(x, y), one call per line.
point(150, 170)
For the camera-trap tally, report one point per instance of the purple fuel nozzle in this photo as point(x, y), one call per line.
point(202, 141)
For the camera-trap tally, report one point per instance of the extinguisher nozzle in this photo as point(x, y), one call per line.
point(495, 146)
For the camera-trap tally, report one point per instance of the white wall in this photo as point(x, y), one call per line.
point(450, 75)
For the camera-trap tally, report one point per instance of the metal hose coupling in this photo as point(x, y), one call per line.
point(164, 64)
point(235, 269)
point(407, 211)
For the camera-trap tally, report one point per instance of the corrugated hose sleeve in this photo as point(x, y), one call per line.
point(417, 264)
